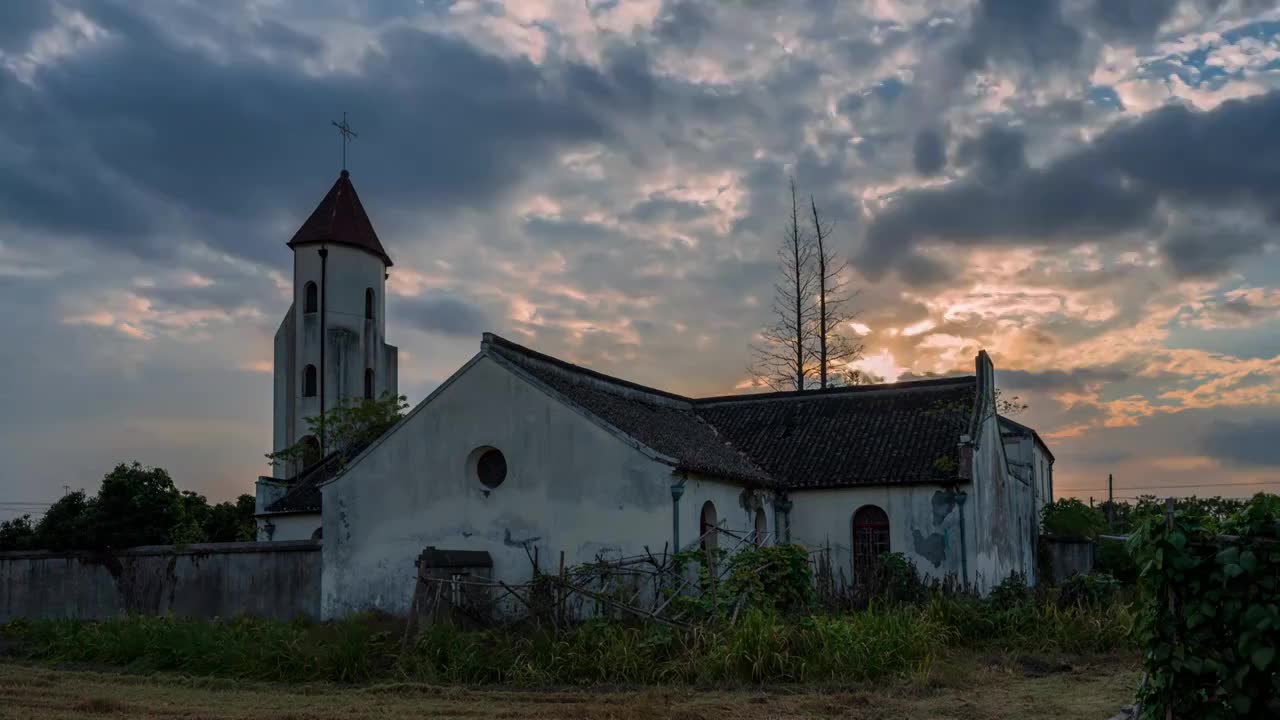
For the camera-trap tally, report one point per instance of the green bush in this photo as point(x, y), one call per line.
point(1112, 557)
point(1071, 518)
point(1210, 621)
point(1088, 590)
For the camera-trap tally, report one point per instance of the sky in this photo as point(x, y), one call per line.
point(1088, 190)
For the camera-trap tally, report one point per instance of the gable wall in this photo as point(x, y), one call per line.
point(1002, 506)
point(571, 485)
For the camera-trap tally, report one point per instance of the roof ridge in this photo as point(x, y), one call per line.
point(495, 340)
point(838, 391)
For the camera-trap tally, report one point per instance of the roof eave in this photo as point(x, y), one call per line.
point(386, 259)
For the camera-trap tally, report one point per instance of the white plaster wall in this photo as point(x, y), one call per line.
point(283, 391)
point(1003, 512)
point(735, 511)
point(571, 486)
point(353, 343)
point(924, 525)
point(289, 526)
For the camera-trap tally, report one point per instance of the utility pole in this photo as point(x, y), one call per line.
point(1111, 504)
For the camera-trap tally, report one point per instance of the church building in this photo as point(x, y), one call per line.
point(521, 453)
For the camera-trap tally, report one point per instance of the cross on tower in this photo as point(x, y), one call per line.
point(347, 133)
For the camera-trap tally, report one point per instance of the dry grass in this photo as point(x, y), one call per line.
point(966, 687)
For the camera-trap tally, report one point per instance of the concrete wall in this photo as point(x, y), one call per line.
point(571, 486)
point(274, 580)
point(1069, 557)
point(288, 526)
point(924, 525)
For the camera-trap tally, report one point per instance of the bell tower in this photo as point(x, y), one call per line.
point(331, 345)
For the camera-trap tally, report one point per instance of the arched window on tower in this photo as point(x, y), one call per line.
point(368, 383)
point(369, 299)
point(309, 381)
point(310, 452)
point(311, 298)
point(870, 539)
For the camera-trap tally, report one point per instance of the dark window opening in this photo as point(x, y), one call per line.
point(368, 383)
point(310, 451)
point(709, 527)
point(762, 528)
point(309, 381)
point(870, 539)
point(311, 302)
point(369, 298)
point(491, 468)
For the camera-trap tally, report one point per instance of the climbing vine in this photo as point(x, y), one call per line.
point(1210, 624)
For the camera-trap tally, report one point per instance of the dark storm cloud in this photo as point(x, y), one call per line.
point(682, 23)
point(665, 209)
point(1226, 157)
point(929, 152)
point(1059, 380)
point(1207, 250)
point(19, 20)
point(1245, 443)
point(1033, 32)
point(441, 314)
point(141, 121)
point(1135, 21)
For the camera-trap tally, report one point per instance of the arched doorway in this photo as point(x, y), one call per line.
point(870, 538)
point(707, 526)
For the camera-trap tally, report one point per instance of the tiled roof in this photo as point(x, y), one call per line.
point(661, 421)
point(340, 219)
point(304, 495)
point(875, 434)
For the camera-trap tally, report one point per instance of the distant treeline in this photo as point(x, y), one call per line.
point(135, 505)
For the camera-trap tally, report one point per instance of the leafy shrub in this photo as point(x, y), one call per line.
point(1112, 558)
point(1012, 592)
point(1088, 590)
point(1210, 624)
point(778, 577)
point(1071, 518)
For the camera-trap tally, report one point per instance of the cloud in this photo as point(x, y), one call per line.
point(1247, 442)
point(929, 152)
point(441, 314)
point(1227, 157)
point(1033, 32)
point(1076, 379)
point(124, 141)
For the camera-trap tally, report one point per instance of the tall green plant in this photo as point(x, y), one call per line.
point(1210, 621)
point(1070, 518)
point(348, 427)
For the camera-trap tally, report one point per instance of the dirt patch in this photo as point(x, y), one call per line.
point(975, 688)
point(101, 706)
point(1035, 667)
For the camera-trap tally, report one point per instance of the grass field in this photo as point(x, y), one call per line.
point(966, 687)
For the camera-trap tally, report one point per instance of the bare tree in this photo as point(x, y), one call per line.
point(782, 361)
point(834, 349)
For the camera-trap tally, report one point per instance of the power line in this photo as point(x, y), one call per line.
point(1206, 486)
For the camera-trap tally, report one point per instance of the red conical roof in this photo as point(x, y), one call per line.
point(340, 219)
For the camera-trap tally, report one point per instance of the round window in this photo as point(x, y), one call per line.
point(491, 468)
